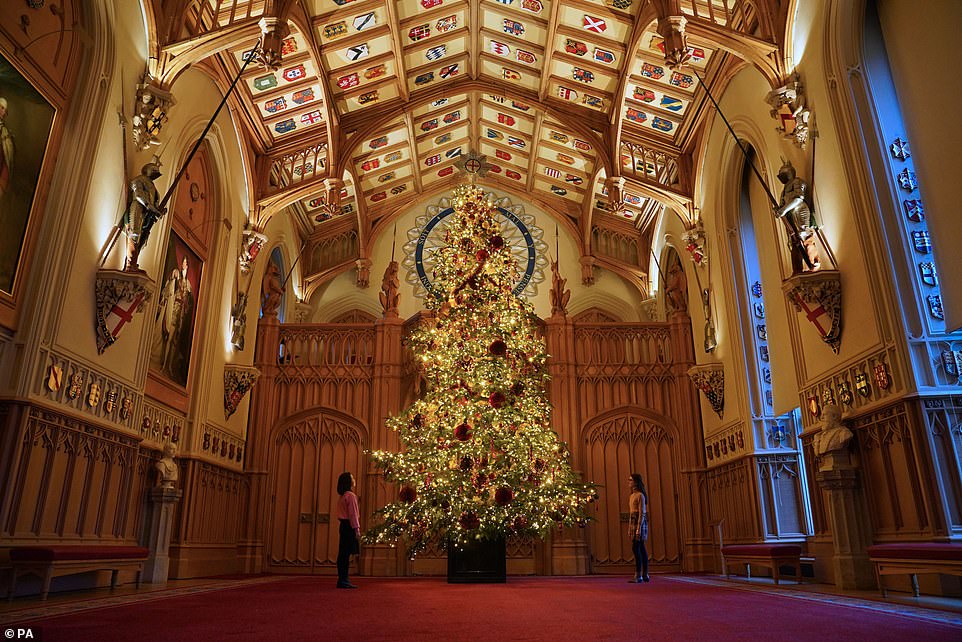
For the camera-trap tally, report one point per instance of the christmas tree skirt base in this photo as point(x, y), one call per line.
point(478, 562)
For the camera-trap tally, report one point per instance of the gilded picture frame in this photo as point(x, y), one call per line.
point(26, 124)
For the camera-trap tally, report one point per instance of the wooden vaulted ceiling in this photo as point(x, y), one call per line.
point(374, 101)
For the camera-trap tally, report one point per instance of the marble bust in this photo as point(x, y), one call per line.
point(833, 435)
point(167, 470)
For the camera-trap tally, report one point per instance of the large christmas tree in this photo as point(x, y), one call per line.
point(481, 460)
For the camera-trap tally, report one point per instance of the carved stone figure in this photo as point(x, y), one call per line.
point(833, 435)
point(676, 289)
point(271, 290)
point(389, 294)
point(167, 471)
point(143, 211)
point(559, 295)
point(363, 273)
point(794, 209)
point(238, 316)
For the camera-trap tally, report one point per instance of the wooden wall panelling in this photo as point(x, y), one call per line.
point(894, 459)
point(734, 498)
point(209, 520)
point(821, 525)
point(70, 480)
point(780, 486)
point(943, 422)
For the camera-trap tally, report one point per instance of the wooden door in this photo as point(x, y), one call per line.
point(308, 456)
point(617, 444)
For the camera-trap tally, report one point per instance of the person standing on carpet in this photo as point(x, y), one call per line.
point(350, 528)
point(638, 527)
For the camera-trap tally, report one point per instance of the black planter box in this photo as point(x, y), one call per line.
point(478, 562)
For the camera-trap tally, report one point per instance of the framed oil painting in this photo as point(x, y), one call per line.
point(176, 311)
point(26, 119)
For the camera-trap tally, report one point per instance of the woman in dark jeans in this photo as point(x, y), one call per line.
point(350, 528)
point(638, 527)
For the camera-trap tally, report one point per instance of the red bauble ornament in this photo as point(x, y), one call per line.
point(462, 432)
point(469, 521)
point(497, 242)
point(496, 399)
point(407, 494)
point(466, 463)
point(503, 496)
point(481, 255)
point(498, 348)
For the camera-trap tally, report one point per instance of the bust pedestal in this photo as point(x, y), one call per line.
point(850, 525)
point(163, 500)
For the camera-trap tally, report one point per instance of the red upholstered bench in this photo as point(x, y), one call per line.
point(55, 560)
point(770, 555)
point(914, 558)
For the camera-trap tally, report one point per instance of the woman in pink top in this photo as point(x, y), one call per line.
point(350, 529)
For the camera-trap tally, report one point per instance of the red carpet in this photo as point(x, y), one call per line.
point(529, 608)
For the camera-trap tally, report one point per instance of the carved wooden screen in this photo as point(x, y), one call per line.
point(617, 444)
point(308, 455)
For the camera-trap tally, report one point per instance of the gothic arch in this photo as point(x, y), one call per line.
point(307, 452)
point(617, 443)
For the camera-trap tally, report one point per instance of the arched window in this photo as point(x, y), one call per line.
point(782, 483)
point(937, 361)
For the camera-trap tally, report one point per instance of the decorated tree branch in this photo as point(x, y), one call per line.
point(481, 460)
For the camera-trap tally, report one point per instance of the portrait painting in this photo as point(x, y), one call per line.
point(25, 123)
point(176, 310)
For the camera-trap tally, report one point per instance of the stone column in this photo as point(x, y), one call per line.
point(163, 501)
point(851, 534)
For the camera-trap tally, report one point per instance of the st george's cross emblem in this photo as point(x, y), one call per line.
point(120, 314)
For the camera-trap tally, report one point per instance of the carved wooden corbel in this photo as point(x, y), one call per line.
point(252, 242)
point(587, 270)
point(238, 380)
point(789, 109)
point(819, 296)
point(710, 379)
point(150, 112)
point(120, 295)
